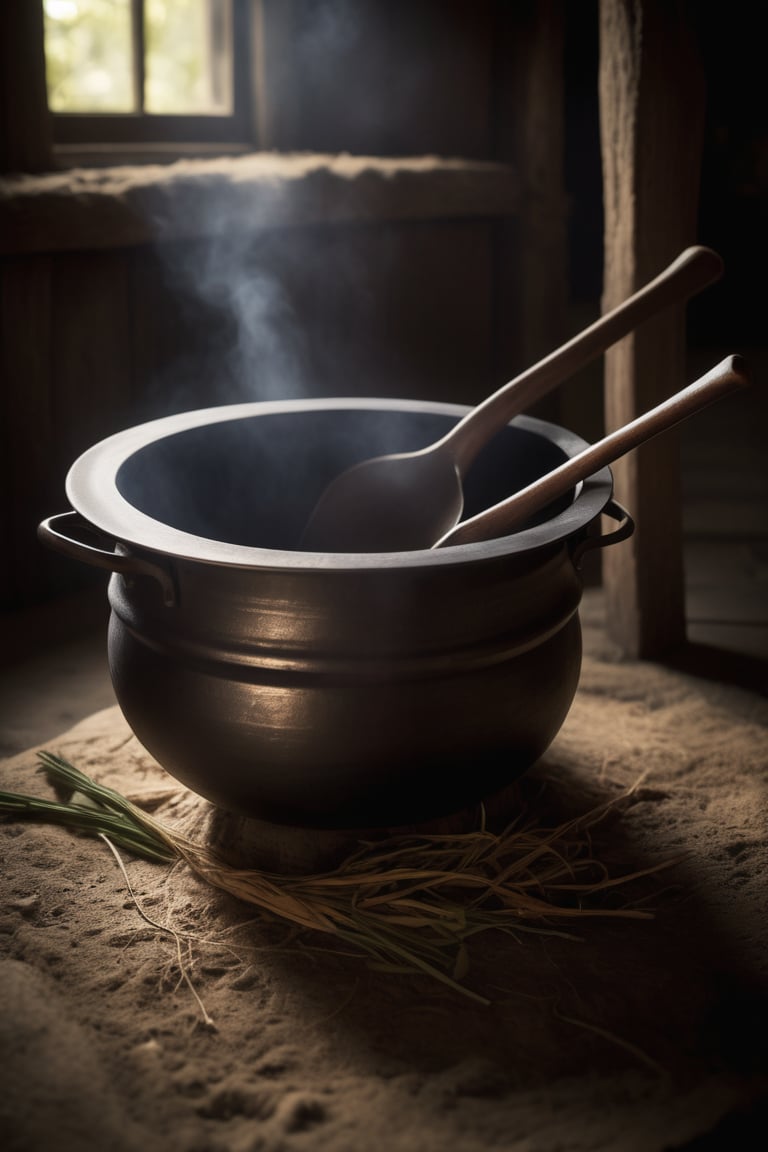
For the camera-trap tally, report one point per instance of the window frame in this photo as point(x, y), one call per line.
point(120, 130)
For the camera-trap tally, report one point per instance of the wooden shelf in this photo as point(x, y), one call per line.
point(125, 206)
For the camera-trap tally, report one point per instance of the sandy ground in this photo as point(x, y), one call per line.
point(644, 1035)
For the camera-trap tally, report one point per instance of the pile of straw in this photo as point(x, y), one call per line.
point(411, 903)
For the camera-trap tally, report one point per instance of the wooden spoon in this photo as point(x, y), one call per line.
point(411, 500)
point(512, 513)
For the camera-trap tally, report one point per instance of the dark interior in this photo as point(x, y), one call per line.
point(254, 481)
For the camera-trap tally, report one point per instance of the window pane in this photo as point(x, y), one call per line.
point(188, 57)
point(88, 56)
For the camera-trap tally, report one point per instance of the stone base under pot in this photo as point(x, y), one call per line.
point(245, 842)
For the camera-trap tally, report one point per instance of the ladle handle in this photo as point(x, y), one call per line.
point(510, 514)
point(693, 270)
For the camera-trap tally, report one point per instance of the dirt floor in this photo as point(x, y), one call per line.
point(645, 1035)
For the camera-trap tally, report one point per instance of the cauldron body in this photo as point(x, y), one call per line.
point(330, 690)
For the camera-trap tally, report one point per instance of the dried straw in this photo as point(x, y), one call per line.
point(412, 903)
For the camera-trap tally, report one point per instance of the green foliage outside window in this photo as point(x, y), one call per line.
point(90, 56)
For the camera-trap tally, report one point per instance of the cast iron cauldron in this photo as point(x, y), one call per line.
point(321, 689)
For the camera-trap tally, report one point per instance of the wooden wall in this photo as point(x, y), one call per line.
point(445, 304)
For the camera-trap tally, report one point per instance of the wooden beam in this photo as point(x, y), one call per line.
point(194, 199)
point(25, 126)
point(543, 212)
point(651, 92)
point(531, 247)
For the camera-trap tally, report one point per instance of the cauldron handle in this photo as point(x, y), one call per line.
point(51, 533)
point(623, 532)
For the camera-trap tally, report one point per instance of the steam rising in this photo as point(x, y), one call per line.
point(263, 351)
point(268, 308)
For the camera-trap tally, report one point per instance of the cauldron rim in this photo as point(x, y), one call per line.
point(93, 492)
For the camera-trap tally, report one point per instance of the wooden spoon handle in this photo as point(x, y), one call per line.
point(510, 514)
point(693, 270)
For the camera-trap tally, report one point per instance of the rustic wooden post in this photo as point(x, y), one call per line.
point(543, 213)
point(532, 247)
point(651, 92)
point(25, 130)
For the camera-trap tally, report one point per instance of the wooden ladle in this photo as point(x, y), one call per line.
point(410, 500)
point(512, 513)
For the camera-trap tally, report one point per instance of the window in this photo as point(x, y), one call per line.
point(149, 71)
